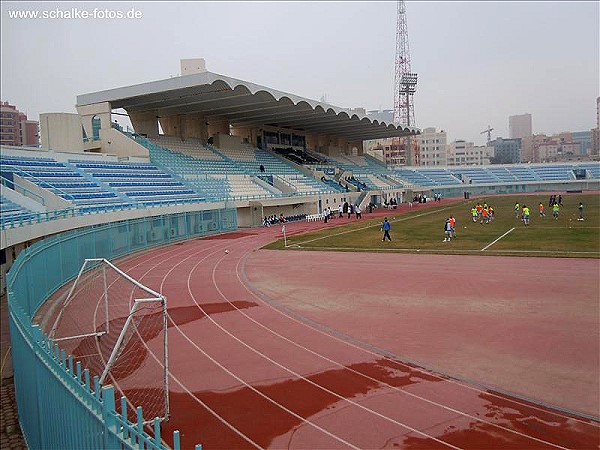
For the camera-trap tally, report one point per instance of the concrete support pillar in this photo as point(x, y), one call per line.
point(196, 127)
point(171, 125)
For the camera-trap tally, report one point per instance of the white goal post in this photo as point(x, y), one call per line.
point(117, 327)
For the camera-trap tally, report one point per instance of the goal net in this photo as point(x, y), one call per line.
point(117, 328)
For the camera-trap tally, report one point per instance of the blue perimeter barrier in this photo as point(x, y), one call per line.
point(59, 405)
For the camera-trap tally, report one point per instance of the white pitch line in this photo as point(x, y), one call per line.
point(489, 245)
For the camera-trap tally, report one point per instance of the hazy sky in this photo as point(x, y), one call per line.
point(478, 62)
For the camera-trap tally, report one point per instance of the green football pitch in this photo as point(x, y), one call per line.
point(422, 229)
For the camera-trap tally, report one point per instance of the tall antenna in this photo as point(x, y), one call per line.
point(404, 113)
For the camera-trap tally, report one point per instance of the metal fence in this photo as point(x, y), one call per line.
point(59, 405)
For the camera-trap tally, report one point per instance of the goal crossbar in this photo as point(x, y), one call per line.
point(135, 319)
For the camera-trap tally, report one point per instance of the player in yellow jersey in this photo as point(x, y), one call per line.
point(525, 215)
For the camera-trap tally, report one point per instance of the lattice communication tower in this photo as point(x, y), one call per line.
point(404, 112)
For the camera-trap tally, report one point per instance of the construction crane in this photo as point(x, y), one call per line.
point(489, 133)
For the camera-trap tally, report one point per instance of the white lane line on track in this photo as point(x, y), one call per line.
point(281, 366)
point(337, 338)
point(492, 243)
point(177, 253)
point(394, 388)
point(240, 380)
point(459, 383)
point(299, 376)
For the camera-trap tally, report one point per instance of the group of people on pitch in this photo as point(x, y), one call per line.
point(482, 213)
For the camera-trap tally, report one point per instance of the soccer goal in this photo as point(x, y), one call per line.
point(117, 328)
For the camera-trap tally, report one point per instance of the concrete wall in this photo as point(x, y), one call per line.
point(196, 127)
point(51, 200)
point(113, 142)
point(185, 126)
point(88, 112)
point(61, 131)
point(145, 123)
point(218, 127)
point(20, 197)
point(192, 66)
point(227, 142)
point(14, 236)
point(247, 135)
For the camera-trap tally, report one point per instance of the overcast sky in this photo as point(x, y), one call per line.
point(478, 62)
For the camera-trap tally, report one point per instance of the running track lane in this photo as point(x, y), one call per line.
point(246, 376)
point(356, 399)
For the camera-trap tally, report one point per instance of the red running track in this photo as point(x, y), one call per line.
point(244, 374)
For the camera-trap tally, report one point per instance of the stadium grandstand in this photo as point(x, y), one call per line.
point(206, 154)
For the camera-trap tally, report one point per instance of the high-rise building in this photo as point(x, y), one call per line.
point(391, 151)
point(463, 153)
point(548, 151)
point(528, 145)
point(519, 126)
point(584, 139)
point(388, 150)
point(432, 147)
point(15, 129)
point(506, 151)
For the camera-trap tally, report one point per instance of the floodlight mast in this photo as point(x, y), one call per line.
point(408, 86)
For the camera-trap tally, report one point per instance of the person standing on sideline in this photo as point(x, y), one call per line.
point(447, 231)
point(542, 213)
point(525, 215)
point(386, 227)
point(358, 212)
point(580, 211)
point(555, 210)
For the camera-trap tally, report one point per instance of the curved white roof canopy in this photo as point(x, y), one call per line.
point(242, 103)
